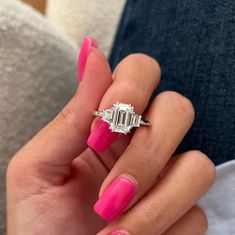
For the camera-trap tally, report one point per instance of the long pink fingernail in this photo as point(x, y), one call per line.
point(115, 198)
point(118, 233)
point(87, 44)
point(101, 136)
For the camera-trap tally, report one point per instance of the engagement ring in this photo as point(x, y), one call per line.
point(121, 118)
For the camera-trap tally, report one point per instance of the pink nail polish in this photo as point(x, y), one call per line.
point(115, 198)
point(87, 44)
point(118, 233)
point(101, 136)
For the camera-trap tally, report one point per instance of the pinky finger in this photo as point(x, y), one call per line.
point(180, 187)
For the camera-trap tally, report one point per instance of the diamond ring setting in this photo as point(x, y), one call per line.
point(121, 118)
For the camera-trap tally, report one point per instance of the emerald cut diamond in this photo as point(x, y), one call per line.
point(121, 118)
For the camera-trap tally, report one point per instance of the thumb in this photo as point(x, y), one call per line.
point(65, 137)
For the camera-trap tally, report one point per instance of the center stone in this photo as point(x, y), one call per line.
point(121, 117)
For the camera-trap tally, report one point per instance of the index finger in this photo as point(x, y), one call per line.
point(65, 137)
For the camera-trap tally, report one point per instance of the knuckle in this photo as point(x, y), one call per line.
point(136, 58)
point(152, 217)
point(16, 170)
point(133, 90)
point(11, 168)
point(140, 57)
point(66, 116)
point(210, 171)
point(200, 219)
point(207, 165)
point(140, 61)
point(22, 175)
point(182, 104)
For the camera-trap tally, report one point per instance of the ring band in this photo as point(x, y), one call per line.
point(121, 118)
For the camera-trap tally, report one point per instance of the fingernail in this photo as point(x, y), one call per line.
point(115, 198)
point(87, 44)
point(118, 233)
point(101, 136)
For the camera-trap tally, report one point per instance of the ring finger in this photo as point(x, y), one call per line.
point(137, 169)
point(135, 78)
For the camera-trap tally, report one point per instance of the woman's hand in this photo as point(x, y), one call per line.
point(53, 182)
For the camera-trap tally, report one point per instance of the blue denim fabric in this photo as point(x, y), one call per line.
point(194, 42)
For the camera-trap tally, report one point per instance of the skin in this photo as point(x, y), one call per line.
point(54, 180)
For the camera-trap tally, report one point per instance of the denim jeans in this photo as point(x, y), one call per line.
point(194, 42)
